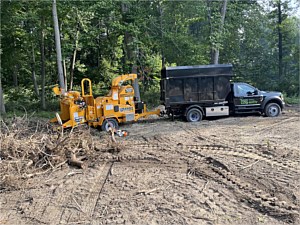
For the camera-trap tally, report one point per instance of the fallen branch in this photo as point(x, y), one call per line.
point(35, 174)
point(204, 186)
point(59, 165)
point(74, 161)
point(147, 192)
point(112, 130)
point(59, 143)
point(250, 165)
point(78, 206)
point(43, 172)
point(73, 173)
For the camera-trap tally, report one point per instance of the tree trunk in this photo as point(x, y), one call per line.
point(280, 52)
point(36, 88)
point(74, 58)
point(15, 68)
point(216, 51)
point(43, 69)
point(129, 54)
point(65, 75)
point(163, 61)
point(2, 106)
point(72, 68)
point(15, 75)
point(210, 28)
point(58, 47)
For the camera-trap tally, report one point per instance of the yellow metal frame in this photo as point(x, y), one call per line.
point(145, 114)
point(121, 79)
point(90, 87)
point(95, 111)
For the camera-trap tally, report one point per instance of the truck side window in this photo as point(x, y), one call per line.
point(243, 90)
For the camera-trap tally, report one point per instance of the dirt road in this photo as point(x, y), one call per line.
point(234, 170)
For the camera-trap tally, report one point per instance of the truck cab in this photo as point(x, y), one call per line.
point(245, 98)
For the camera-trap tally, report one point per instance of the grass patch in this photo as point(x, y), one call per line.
point(292, 100)
point(30, 114)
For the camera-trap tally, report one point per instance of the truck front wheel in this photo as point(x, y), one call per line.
point(107, 123)
point(272, 110)
point(194, 115)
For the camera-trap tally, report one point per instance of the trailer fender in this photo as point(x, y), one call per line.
point(194, 106)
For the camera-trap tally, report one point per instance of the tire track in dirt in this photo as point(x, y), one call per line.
point(265, 128)
point(212, 199)
point(50, 207)
point(208, 209)
point(288, 180)
point(77, 200)
point(88, 194)
point(255, 153)
point(225, 202)
point(248, 153)
point(253, 197)
point(284, 174)
point(245, 152)
point(239, 151)
point(124, 195)
point(258, 199)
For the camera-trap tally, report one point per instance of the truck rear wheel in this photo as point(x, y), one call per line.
point(109, 123)
point(194, 115)
point(272, 110)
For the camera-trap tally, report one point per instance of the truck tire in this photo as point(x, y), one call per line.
point(194, 115)
point(272, 110)
point(107, 123)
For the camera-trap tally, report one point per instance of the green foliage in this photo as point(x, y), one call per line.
point(22, 99)
point(295, 99)
point(114, 36)
point(152, 95)
point(21, 112)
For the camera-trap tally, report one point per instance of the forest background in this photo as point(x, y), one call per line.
point(103, 39)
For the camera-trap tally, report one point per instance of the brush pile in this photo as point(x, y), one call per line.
point(32, 147)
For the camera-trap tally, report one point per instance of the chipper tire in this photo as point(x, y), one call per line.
point(107, 123)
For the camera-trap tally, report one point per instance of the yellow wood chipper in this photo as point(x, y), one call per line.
point(122, 104)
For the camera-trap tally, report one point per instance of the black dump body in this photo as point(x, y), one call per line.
point(184, 85)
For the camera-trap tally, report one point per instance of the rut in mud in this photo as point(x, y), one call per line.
point(235, 170)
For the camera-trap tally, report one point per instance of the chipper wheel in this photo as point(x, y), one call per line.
point(111, 122)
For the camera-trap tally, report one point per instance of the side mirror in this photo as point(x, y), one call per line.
point(249, 93)
point(255, 92)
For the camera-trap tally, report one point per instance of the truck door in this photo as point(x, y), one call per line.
point(246, 98)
